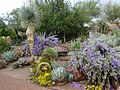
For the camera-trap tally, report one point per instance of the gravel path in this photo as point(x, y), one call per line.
point(10, 83)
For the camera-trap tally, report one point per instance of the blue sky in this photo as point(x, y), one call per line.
point(9, 5)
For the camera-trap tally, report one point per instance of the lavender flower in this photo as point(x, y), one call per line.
point(98, 60)
point(42, 42)
point(77, 85)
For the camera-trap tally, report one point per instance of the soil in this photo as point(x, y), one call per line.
point(18, 79)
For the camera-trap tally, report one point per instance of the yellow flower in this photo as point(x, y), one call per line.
point(93, 87)
point(45, 79)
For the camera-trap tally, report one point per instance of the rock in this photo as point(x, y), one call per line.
point(77, 75)
point(2, 64)
point(62, 48)
point(118, 88)
point(95, 29)
point(64, 58)
point(112, 26)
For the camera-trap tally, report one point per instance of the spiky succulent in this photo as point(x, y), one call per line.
point(60, 74)
point(50, 53)
point(20, 63)
point(9, 56)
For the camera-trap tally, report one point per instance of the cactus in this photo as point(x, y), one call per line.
point(50, 53)
point(9, 56)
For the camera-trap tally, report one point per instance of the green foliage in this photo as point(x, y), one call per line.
point(44, 59)
point(55, 16)
point(8, 56)
point(75, 44)
point(113, 41)
point(5, 44)
point(20, 63)
point(27, 14)
point(59, 17)
point(5, 30)
point(112, 10)
point(50, 53)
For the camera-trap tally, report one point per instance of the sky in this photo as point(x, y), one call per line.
point(9, 5)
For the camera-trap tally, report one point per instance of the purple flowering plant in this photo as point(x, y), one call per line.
point(98, 61)
point(42, 42)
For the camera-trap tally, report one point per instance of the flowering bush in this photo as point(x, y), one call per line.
point(93, 87)
point(42, 42)
point(99, 61)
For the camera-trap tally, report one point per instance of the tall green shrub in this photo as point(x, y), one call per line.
point(4, 45)
point(112, 10)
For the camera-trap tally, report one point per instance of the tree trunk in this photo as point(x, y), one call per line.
point(16, 31)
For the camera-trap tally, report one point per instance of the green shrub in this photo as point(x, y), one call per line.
point(5, 44)
point(75, 44)
point(50, 53)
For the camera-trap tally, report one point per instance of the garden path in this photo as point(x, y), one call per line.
point(18, 79)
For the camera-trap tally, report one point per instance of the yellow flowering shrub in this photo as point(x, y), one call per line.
point(44, 79)
point(93, 87)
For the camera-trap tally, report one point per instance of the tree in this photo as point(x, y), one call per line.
point(14, 21)
point(112, 10)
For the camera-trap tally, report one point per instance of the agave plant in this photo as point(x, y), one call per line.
point(60, 74)
point(20, 63)
point(9, 56)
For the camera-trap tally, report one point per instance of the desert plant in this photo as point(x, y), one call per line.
point(9, 56)
point(51, 53)
point(60, 74)
point(20, 63)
